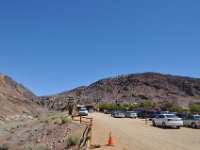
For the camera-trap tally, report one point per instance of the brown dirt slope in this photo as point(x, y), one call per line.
point(132, 88)
point(15, 98)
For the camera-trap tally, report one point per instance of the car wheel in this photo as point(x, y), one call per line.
point(193, 125)
point(163, 125)
point(178, 127)
point(153, 122)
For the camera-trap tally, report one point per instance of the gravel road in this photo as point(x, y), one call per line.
point(134, 134)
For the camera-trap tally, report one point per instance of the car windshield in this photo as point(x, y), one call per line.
point(83, 109)
point(152, 112)
point(130, 112)
point(171, 116)
point(197, 116)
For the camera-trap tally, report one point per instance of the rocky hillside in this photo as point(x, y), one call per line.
point(15, 98)
point(132, 88)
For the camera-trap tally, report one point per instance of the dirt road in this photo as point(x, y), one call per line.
point(134, 134)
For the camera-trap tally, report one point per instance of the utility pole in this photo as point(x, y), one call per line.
point(71, 104)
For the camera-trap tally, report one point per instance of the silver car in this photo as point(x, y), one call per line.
point(192, 121)
point(119, 115)
point(83, 112)
point(131, 114)
point(167, 120)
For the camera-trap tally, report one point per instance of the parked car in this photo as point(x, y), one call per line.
point(83, 112)
point(119, 114)
point(167, 120)
point(192, 121)
point(182, 115)
point(114, 112)
point(152, 114)
point(107, 111)
point(148, 114)
point(131, 114)
point(142, 114)
point(165, 112)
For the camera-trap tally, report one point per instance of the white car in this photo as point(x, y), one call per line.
point(83, 112)
point(167, 120)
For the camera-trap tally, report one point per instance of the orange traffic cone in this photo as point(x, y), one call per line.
point(110, 140)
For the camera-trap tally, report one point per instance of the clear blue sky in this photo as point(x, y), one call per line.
point(53, 46)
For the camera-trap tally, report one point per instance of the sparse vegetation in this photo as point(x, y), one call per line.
point(106, 105)
point(41, 147)
point(27, 147)
point(112, 106)
point(5, 146)
point(1, 122)
point(73, 140)
point(176, 108)
point(63, 116)
point(147, 103)
point(194, 107)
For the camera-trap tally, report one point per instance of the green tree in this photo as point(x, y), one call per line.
point(120, 106)
point(148, 103)
point(106, 105)
point(176, 108)
point(194, 107)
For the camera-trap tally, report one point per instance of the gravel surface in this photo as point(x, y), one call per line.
point(50, 131)
point(134, 134)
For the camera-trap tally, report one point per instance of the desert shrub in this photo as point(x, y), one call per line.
point(176, 108)
point(41, 147)
point(1, 122)
point(42, 118)
point(73, 140)
point(112, 106)
point(106, 105)
point(194, 107)
point(5, 146)
point(147, 103)
point(63, 116)
point(133, 106)
point(126, 104)
point(27, 147)
point(65, 119)
point(120, 106)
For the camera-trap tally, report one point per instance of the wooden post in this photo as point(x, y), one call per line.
point(80, 119)
point(146, 120)
point(91, 124)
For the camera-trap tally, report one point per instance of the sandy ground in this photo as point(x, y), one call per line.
point(134, 134)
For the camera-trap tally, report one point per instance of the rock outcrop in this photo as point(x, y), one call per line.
point(132, 88)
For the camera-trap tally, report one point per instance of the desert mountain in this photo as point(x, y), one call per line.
point(132, 88)
point(15, 98)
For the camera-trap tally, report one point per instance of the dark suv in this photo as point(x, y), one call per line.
point(148, 114)
point(182, 115)
point(142, 114)
point(152, 113)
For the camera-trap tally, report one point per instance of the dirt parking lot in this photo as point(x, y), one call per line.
point(134, 134)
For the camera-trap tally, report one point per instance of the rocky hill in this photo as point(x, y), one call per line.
point(132, 88)
point(15, 98)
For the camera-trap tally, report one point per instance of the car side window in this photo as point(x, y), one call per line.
point(158, 116)
point(162, 116)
